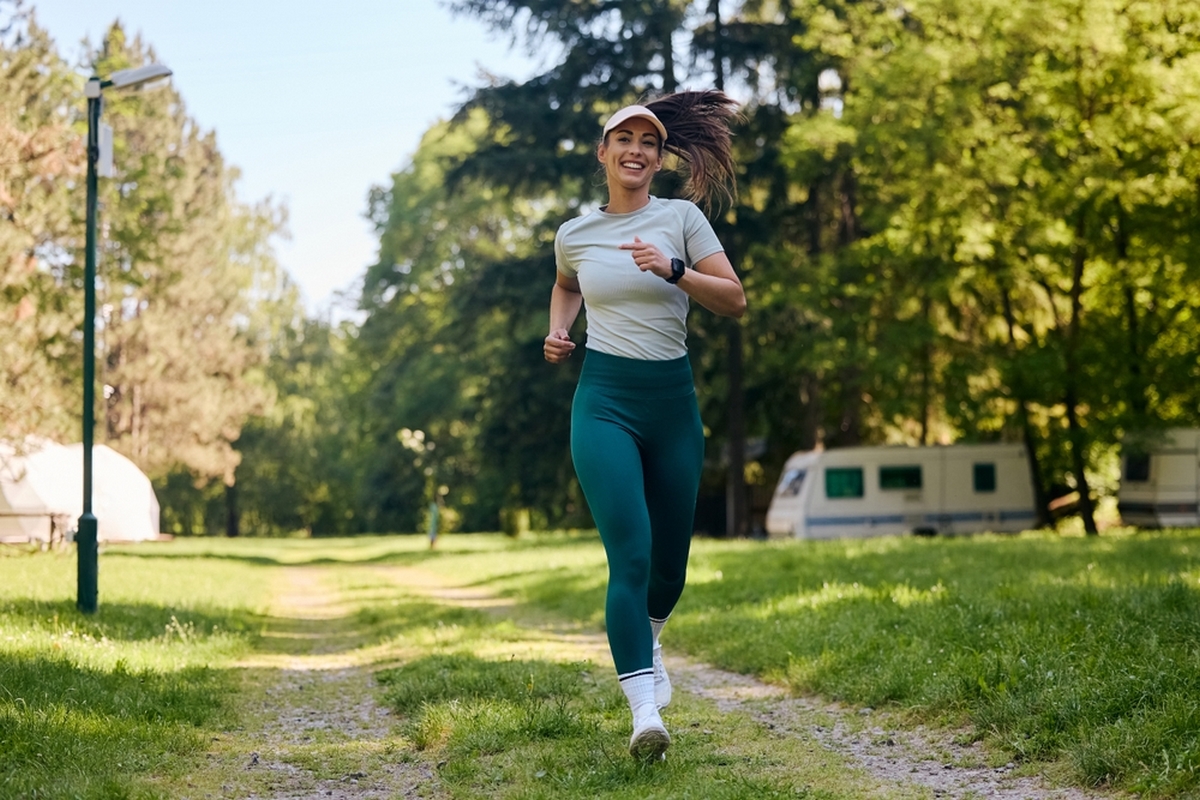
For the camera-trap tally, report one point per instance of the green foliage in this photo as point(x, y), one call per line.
point(181, 260)
point(453, 343)
point(957, 220)
point(40, 157)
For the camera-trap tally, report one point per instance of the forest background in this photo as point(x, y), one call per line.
point(957, 220)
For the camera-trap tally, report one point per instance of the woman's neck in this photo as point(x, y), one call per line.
point(623, 201)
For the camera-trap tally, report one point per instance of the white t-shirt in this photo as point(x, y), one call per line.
point(631, 313)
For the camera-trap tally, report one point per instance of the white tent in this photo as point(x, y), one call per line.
point(51, 476)
point(24, 515)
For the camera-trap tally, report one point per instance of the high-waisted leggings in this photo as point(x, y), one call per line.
point(638, 448)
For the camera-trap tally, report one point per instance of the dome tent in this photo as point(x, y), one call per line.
point(47, 479)
point(24, 515)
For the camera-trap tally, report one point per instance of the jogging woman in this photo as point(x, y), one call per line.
point(636, 438)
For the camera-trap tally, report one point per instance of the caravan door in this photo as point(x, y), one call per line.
point(785, 515)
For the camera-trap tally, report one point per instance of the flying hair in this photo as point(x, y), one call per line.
point(697, 126)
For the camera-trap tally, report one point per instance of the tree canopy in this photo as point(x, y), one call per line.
point(957, 220)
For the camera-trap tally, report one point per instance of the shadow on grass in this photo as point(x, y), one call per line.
point(308, 552)
point(72, 731)
point(403, 558)
point(370, 626)
point(129, 622)
point(147, 622)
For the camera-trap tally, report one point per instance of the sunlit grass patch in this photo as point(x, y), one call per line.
point(91, 705)
point(530, 728)
point(67, 730)
point(1066, 650)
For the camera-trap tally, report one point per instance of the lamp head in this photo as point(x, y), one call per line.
point(128, 78)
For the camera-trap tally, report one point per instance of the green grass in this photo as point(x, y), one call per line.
point(1080, 651)
point(531, 728)
point(92, 706)
point(1080, 656)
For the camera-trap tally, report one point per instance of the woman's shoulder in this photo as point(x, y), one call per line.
point(678, 204)
point(575, 223)
point(684, 209)
point(565, 229)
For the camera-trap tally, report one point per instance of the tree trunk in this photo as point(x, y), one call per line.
point(1074, 429)
point(736, 512)
point(231, 512)
point(1029, 436)
point(810, 399)
point(926, 374)
point(1137, 387)
point(665, 29)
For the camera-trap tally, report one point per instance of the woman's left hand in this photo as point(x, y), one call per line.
point(649, 258)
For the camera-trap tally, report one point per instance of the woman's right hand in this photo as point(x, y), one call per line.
point(558, 347)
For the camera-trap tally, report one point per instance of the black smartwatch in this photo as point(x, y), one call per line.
point(677, 270)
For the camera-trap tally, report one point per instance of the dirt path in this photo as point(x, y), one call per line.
point(928, 758)
point(315, 728)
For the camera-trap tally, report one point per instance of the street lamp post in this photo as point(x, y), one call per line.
point(87, 535)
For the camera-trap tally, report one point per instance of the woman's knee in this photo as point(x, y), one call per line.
point(632, 570)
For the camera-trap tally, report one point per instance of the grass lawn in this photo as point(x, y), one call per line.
point(1076, 655)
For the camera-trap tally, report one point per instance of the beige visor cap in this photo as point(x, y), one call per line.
point(628, 112)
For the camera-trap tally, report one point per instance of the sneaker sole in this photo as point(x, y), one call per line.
point(650, 745)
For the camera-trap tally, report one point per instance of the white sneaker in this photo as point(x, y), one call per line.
point(650, 739)
point(662, 684)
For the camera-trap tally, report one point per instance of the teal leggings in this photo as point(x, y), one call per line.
point(638, 448)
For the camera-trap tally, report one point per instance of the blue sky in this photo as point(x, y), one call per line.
point(314, 102)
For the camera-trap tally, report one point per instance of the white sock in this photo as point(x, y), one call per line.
point(639, 690)
point(656, 626)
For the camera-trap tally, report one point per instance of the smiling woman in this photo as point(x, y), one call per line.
point(636, 437)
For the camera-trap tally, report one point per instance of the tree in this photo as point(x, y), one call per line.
point(41, 157)
point(452, 339)
point(180, 259)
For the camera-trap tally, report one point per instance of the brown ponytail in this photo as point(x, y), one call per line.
point(697, 126)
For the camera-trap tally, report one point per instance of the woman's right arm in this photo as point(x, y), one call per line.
point(565, 302)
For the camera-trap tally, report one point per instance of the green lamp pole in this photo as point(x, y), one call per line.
point(86, 537)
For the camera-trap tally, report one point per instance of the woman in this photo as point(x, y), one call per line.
point(636, 437)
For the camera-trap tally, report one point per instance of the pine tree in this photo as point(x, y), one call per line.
point(41, 160)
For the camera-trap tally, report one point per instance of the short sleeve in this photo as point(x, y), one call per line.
point(560, 257)
point(699, 237)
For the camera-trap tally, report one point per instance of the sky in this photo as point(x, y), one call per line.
point(313, 102)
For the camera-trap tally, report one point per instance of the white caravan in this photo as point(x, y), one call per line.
point(874, 491)
point(1160, 481)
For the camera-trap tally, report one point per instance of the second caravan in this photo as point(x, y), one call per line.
point(874, 491)
point(1160, 481)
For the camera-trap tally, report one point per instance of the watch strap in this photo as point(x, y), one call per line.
point(678, 267)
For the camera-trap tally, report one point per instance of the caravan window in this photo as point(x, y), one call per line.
point(1137, 467)
point(900, 477)
point(844, 482)
point(791, 482)
point(985, 477)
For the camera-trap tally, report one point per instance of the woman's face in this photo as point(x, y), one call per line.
point(631, 153)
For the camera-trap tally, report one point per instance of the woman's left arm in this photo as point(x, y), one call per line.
point(713, 284)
